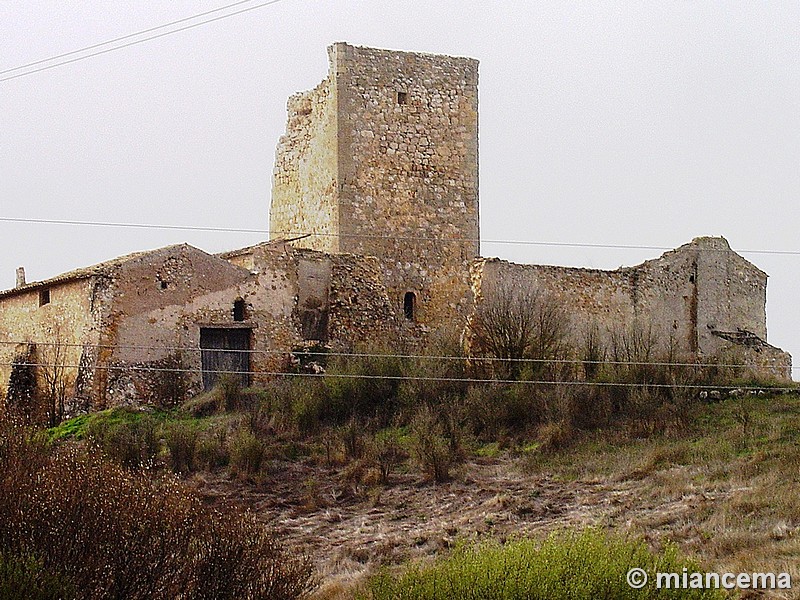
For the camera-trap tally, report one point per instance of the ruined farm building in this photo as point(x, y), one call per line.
point(375, 227)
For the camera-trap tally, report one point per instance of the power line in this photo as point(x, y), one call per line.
point(404, 377)
point(269, 232)
point(430, 357)
point(121, 38)
point(133, 43)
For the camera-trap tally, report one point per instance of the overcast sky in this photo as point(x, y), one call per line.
point(642, 123)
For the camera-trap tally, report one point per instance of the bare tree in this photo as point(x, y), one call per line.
point(594, 351)
point(518, 321)
point(54, 376)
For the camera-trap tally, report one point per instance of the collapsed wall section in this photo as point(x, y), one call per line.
point(305, 176)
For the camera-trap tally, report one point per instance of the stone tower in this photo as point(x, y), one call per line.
point(381, 159)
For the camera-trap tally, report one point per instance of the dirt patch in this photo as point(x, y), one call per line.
point(349, 528)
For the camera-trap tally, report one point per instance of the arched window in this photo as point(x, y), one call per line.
point(409, 305)
point(238, 310)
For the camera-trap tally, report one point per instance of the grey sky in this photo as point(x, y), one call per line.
point(644, 123)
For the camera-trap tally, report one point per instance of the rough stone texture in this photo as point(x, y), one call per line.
point(686, 296)
point(381, 159)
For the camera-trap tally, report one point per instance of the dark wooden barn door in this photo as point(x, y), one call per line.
point(225, 351)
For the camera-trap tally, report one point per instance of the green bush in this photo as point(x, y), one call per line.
point(246, 452)
point(230, 388)
point(362, 386)
point(387, 452)
point(212, 451)
point(574, 566)
point(126, 436)
point(25, 577)
point(181, 439)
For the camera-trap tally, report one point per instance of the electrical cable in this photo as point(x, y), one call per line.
point(402, 377)
point(133, 43)
point(431, 357)
point(374, 236)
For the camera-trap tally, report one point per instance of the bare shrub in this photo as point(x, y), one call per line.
point(429, 446)
point(555, 436)
point(593, 352)
point(518, 321)
point(55, 378)
point(21, 395)
point(352, 438)
point(112, 533)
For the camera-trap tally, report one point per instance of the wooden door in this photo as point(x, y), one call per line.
point(225, 352)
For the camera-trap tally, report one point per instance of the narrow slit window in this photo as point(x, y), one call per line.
point(238, 310)
point(409, 305)
point(44, 296)
point(402, 97)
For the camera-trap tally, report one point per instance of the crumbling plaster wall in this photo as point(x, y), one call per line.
point(58, 329)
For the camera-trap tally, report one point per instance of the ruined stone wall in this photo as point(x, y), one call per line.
point(155, 305)
point(589, 297)
point(679, 298)
point(305, 177)
point(360, 308)
point(732, 294)
point(60, 330)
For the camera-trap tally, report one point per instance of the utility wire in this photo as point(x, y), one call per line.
point(324, 354)
point(403, 377)
point(368, 236)
point(124, 37)
point(133, 43)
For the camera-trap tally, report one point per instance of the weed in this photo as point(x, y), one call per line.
point(582, 565)
point(246, 452)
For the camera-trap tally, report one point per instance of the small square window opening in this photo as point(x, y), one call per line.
point(44, 296)
point(402, 97)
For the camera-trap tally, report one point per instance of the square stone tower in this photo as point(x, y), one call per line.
point(381, 159)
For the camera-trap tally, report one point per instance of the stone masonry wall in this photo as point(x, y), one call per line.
point(384, 154)
point(408, 147)
point(681, 297)
point(58, 329)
